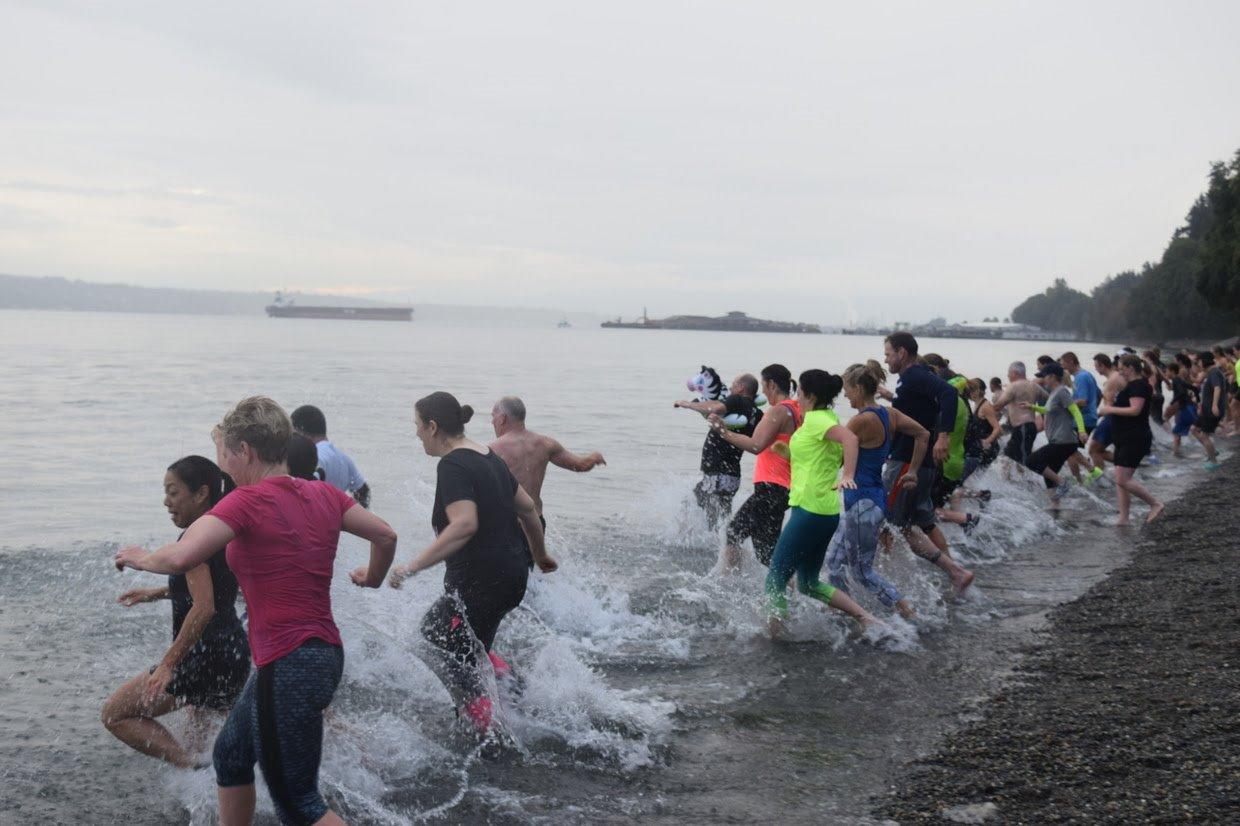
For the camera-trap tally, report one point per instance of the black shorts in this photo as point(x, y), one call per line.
point(914, 507)
point(1207, 424)
point(760, 519)
point(943, 489)
point(1130, 450)
point(213, 672)
point(1020, 446)
point(1050, 456)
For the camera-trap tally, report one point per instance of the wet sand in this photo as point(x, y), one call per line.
point(1127, 709)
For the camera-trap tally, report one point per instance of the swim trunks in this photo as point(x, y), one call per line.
point(760, 519)
point(910, 507)
point(1020, 446)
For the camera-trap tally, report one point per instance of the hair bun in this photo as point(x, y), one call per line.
point(467, 413)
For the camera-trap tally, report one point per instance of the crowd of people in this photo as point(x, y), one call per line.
point(265, 518)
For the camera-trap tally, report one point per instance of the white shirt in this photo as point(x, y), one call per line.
point(338, 468)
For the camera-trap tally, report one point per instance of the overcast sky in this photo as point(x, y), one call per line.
point(804, 161)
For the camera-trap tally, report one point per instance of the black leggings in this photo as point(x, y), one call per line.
point(461, 627)
point(760, 519)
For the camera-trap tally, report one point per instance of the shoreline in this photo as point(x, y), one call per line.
point(1127, 706)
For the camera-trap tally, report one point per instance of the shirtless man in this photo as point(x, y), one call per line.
point(1100, 439)
point(527, 453)
point(1016, 399)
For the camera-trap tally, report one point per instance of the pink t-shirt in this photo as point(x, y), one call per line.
point(282, 556)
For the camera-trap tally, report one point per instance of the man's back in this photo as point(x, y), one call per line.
point(527, 453)
point(1021, 390)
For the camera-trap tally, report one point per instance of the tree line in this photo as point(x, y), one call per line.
point(1192, 292)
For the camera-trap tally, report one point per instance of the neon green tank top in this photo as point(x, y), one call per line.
point(816, 463)
point(953, 466)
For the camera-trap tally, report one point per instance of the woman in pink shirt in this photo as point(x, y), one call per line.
point(281, 535)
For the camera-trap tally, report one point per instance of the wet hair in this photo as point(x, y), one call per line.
point(309, 420)
point(303, 457)
point(197, 472)
point(1103, 359)
point(782, 377)
point(823, 386)
point(260, 423)
point(1071, 358)
point(996, 383)
point(902, 341)
point(442, 408)
point(867, 376)
point(1132, 361)
point(512, 407)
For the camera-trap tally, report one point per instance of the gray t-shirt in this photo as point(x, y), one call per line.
point(1060, 426)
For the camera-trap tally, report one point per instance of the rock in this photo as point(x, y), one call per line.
point(971, 813)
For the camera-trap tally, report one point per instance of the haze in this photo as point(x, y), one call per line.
point(795, 160)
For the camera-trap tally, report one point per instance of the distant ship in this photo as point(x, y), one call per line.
point(288, 309)
point(735, 321)
point(563, 324)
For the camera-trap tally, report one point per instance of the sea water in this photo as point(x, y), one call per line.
point(651, 691)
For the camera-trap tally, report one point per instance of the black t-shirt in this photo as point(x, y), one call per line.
point(224, 586)
point(719, 457)
point(497, 550)
point(1214, 387)
point(1182, 393)
point(1123, 427)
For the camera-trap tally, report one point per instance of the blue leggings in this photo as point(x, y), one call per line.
point(801, 549)
point(278, 723)
point(852, 552)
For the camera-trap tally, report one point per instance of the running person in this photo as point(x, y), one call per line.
point(1183, 407)
point(854, 545)
point(1086, 396)
point(1024, 427)
point(281, 536)
point(338, 467)
point(761, 518)
point(1100, 439)
point(479, 516)
point(1064, 428)
point(818, 450)
point(721, 462)
point(931, 402)
point(209, 659)
point(1131, 428)
point(1210, 412)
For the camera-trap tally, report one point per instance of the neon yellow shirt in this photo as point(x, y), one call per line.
point(816, 463)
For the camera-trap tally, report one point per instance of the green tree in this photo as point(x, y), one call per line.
point(1108, 316)
point(1165, 303)
point(1219, 278)
point(1059, 308)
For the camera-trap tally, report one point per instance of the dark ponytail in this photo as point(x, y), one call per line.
point(782, 377)
point(823, 386)
point(197, 472)
point(445, 411)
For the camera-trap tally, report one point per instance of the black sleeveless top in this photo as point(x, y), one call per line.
point(223, 583)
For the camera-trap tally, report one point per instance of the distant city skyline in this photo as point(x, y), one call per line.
point(796, 161)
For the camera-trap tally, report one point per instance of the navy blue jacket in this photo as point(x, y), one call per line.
point(928, 400)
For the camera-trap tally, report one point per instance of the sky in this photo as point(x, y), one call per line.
point(807, 161)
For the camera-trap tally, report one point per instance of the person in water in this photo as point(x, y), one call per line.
point(303, 459)
point(527, 453)
point(1100, 439)
point(479, 515)
point(281, 535)
point(1130, 425)
point(1024, 426)
point(338, 467)
point(1064, 426)
point(761, 518)
point(1183, 408)
point(209, 659)
point(932, 403)
point(819, 450)
point(721, 461)
point(855, 543)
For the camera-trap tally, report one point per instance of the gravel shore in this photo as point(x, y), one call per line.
point(1127, 710)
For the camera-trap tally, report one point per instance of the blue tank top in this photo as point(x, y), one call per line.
point(869, 476)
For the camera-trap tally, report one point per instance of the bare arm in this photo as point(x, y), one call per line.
point(134, 596)
point(1003, 399)
point(848, 439)
point(705, 408)
point(763, 435)
point(578, 463)
point(199, 543)
point(362, 523)
point(461, 527)
point(527, 513)
point(200, 613)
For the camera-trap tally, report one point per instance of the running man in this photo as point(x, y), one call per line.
point(1086, 396)
point(931, 402)
point(1064, 426)
point(527, 453)
point(1100, 439)
point(1015, 398)
point(338, 469)
point(721, 462)
point(1213, 407)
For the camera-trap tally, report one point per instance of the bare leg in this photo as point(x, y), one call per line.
point(1208, 444)
point(236, 805)
point(1074, 464)
point(1129, 487)
point(841, 601)
point(1122, 497)
point(201, 721)
point(933, 548)
point(729, 560)
point(953, 516)
point(132, 721)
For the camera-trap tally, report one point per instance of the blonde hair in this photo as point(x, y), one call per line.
point(867, 376)
point(260, 423)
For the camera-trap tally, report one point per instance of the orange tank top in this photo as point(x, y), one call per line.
point(768, 466)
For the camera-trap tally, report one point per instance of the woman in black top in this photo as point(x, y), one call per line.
point(479, 517)
point(1130, 429)
point(209, 660)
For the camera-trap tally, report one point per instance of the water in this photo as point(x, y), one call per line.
point(652, 692)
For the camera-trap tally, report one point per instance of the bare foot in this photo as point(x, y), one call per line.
point(1121, 523)
point(905, 610)
point(869, 622)
point(1155, 512)
point(962, 581)
point(776, 628)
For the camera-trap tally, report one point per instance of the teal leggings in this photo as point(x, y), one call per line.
point(801, 549)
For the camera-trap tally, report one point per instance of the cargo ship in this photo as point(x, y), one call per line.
point(735, 322)
point(288, 309)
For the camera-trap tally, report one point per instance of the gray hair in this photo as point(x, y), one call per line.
point(512, 407)
point(1017, 367)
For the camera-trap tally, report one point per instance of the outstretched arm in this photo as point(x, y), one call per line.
point(199, 543)
point(705, 408)
point(560, 456)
